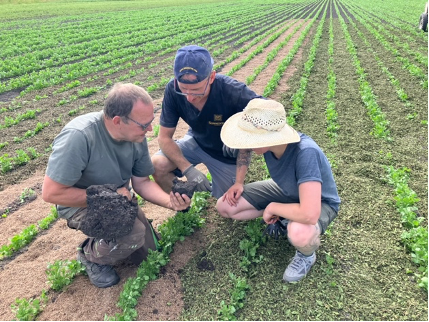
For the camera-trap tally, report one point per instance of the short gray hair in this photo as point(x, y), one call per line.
point(121, 98)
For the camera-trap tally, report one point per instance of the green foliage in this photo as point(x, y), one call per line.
point(156, 130)
point(182, 224)
point(72, 112)
point(87, 91)
point(8, 121)
point(19, 241)
point(27, 310)
point(140, 200)
point(45, 222)
point(238, 294)
point(70, 85)
point(416, 238)
point(38, 97)
point(26, 236)
point(62, 273)
point(26, 194)
point(21, 158)
point(250, 246)
point(5, 163)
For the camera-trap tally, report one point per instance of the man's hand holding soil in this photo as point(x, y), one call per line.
point(179, 201)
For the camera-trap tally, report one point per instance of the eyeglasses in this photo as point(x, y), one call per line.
point(191, 94)
point(143, 126)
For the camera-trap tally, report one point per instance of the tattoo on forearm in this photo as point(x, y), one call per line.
point(244, 157)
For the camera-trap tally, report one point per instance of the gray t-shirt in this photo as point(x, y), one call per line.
point(84, 154)
point(302, 162)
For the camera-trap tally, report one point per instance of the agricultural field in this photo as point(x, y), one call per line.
point(352, 74)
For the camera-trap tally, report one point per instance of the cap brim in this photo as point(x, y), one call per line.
point(236, 138)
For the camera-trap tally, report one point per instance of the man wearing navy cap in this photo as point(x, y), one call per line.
point(204, 100)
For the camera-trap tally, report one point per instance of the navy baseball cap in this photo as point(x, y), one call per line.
point(194, 60)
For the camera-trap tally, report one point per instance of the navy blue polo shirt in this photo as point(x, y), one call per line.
point(227, 96)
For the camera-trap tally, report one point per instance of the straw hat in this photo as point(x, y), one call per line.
point(261, 124)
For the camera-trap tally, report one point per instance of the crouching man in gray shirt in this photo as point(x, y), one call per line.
point(108, 148)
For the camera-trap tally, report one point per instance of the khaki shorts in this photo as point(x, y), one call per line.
point(261, 193)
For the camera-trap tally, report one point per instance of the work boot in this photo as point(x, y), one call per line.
point(100, 275)
point(298, 267)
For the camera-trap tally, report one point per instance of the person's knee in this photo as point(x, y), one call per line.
point(301, 235)
point(223, 208)
point(161, 164)
point(163, 174)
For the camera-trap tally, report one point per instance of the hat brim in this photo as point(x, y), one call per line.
point(236, 138)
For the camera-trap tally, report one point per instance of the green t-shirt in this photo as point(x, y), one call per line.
point(84, 154)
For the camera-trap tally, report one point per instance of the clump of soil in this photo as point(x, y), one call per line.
point(112, 215)
point(184, 187)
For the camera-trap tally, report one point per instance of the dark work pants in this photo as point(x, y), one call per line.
point(109, 252)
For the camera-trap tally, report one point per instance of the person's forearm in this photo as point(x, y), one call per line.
point(173, 152)
point(243, 161)
point(68, 197)
point(153, 193)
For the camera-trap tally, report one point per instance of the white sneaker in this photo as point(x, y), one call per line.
point(298, 267)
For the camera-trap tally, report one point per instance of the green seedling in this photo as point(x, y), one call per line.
point(27, 194)
point(62, 273)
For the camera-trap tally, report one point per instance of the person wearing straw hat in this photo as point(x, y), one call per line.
point(204, 100)
point(301, 193)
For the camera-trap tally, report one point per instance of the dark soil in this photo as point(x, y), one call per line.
point(112, 214)
point(184, 187)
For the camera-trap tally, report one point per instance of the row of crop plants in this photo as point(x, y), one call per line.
point(394, 11)
point(331, 111)
point(133, 72)
point(394, 81)
point(300, 17)
point(278, 73)
point(118, 55)
point(414, 70)
point(415, 236)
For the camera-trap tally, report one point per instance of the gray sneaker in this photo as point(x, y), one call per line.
point(298, 267)
point(100, 275)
